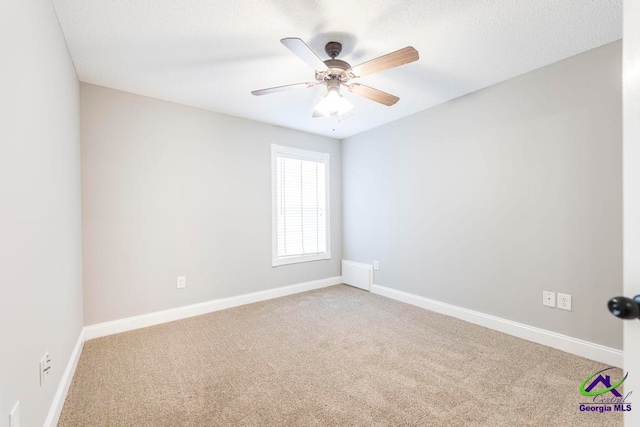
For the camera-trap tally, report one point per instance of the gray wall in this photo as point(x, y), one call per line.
point(487, 200)
point(170, 190)
point(40, 225)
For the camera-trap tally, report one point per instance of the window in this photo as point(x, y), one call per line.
point(300, 198)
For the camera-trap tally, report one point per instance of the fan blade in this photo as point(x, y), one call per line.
point(316, 115)
point(304, 52)
point(281, 88)
point(373, 94)
point(390, 60)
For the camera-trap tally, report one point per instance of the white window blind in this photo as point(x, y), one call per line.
point(300, 198)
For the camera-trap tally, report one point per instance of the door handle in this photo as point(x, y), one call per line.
point(625, 308)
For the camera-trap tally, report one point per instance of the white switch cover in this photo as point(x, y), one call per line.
point(376, 265)
point(182, 282)
point(549, 298)
point(564, 302)
point(14, 416)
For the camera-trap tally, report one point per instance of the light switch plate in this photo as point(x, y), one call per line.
point(376, 265)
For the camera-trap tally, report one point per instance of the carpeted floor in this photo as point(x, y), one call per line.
point(335, 356)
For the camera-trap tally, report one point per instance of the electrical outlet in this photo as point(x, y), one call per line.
point(548, 298)
point(376, 265)
point(564, 302)
point(14, 416)
point(182, 282)
point(45, 367)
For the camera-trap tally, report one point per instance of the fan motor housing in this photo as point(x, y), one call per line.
point(337, 63)
point(337, 70)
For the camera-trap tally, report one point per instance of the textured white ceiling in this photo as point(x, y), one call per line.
point(211, 54)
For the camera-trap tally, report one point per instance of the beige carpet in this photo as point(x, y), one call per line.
point(336, 356)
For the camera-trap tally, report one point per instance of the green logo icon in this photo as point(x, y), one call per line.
point(605, 381)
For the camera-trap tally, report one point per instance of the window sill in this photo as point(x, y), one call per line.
point(297, 259)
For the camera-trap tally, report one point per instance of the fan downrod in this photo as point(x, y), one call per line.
point(333, 49)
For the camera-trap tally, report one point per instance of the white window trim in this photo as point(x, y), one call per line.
point(297, 153)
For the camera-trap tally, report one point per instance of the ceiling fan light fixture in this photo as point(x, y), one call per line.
point(333, 103)
point(335, 72)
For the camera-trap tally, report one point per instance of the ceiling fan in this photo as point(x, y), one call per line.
point(334, 73)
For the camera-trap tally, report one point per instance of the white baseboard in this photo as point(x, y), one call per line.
point(586, 349)
point(158, 317)
point(65, 382)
